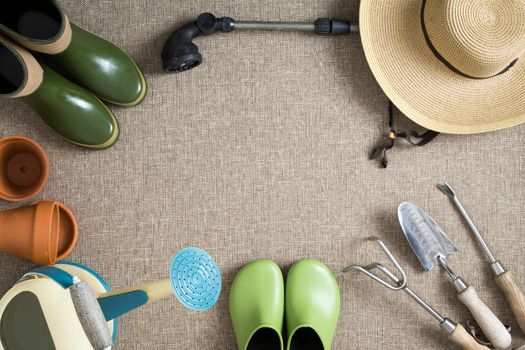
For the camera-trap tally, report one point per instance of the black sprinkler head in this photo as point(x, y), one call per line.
point(180, 53)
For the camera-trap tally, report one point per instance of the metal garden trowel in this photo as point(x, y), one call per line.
point(432, 246)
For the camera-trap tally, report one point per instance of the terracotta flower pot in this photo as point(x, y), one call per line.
point(44, 232)
point(24, 168)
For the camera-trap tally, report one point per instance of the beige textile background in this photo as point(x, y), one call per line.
point(261, 152)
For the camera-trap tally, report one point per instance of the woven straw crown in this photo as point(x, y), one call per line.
point(452, 66)
point(479, 38)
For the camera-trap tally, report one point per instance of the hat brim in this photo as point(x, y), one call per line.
point(422, 87)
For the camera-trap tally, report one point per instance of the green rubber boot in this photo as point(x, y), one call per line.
point(92, 62)
point(70, 110)
point(312, 306)
point(257, 306)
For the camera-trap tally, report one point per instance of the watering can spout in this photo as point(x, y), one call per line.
point(194, 278)
point(116, 303)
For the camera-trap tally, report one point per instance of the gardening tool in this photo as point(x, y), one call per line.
point(43, 232)
point(38, 311)
point(194, 278)
point(504, 278)
point(456, 333)
point(24, 168)
point(180, 53)
point(432, 246)
point(71, 307)
point(473, 329)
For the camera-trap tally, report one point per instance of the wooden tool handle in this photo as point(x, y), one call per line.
point(514, 296)
point(460, 337)
point(491, 326)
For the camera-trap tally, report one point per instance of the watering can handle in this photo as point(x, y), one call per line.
point(489, 323)
point(514, 296)
point(461, 338)
point(61, 277)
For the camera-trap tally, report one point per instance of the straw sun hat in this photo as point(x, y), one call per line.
point(452, 66)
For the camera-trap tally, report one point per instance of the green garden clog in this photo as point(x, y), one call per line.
point(257, 306)
point(70, 110)
point(92, 62)
point(312, 306)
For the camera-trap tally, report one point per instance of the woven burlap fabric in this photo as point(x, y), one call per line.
point(261, 152)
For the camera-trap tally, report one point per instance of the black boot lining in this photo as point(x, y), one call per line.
point(306, 339)
point(35, 19)
point(264, 339)
point(11, 71)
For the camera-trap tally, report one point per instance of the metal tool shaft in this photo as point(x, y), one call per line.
point(424, 305)
point(446, 324)
point(258, 25)
point(412, 294)
point(321, 26)
point(496, 266)
point(474, 229)
point(457, 281)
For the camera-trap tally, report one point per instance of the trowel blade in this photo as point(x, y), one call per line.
point(426, 238)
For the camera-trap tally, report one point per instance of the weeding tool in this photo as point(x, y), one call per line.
point(432, 246)
point(456, 333)
point(503, 278)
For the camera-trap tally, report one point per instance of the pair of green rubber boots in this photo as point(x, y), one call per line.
point(259, 301)
point(94, 67)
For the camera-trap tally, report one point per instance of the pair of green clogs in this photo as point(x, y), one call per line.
point(94, 67)
point(259, 301)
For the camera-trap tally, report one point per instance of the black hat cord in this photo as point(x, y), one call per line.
point(413, 137)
